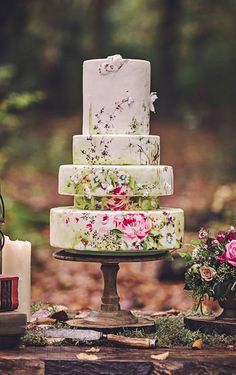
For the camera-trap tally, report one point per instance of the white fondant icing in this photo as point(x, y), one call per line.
point(116, 149)
point(110, 180)
point(116, 230)
point(118, 102)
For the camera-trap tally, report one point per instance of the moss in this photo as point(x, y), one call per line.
point(34, 338)
point(170, 331)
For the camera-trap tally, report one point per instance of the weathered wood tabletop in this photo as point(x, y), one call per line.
point(62, 360)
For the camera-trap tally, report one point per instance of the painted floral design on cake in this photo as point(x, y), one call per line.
point(103, 122)
point(119, 150)
point(115, 203)
point(140, 231)
point(107, 181)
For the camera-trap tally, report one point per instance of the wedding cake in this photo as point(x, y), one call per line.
point(116, 178)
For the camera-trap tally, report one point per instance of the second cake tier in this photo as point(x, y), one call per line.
point(116, 149)
point(71, 228)
point(116, 180)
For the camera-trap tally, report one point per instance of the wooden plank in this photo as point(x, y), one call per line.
point(116, 360)
point(53, 367)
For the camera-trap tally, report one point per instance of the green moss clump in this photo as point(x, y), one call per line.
point(170, 331)
point(34, 338)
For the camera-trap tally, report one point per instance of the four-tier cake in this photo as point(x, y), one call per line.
point(116, 178)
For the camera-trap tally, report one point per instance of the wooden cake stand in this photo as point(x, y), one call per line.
point(111, 316)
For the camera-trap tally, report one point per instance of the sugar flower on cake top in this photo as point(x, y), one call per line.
point(111, 64)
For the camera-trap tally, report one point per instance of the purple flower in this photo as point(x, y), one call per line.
point(203, 234)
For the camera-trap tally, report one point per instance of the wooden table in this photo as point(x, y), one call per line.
point(62, 360)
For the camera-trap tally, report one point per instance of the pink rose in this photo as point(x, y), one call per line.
point(118, 203)
point(220, 237)
point(231, 234)
point(230, 254)
point(134, 226)
point(105, 219)
point(115, 203)
point(120, 190)
point(89, 227)
point(222, 257)
point(207, 273)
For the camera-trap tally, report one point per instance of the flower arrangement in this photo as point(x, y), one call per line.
point(211, 267)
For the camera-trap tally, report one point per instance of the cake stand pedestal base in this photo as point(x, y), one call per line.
point(210, 324)
point(110, 317)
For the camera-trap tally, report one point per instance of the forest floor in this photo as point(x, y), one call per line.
point(195, 156)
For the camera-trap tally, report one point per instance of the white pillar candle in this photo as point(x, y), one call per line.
point(16, 260)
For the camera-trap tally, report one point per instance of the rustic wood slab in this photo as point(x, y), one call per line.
point(116, 361)
point(210, 324)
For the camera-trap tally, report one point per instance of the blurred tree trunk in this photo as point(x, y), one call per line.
point(168, 35)
point(99, 29)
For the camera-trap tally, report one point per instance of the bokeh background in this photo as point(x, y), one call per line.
point(191, 46)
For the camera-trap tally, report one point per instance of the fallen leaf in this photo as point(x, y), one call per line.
point(43, 326)
point(160, 357)
point(47, 321)
point(165, 313)
point(39, 315)
point(93, 350)
point(51, 341)
point(230, 347)
point(198, 344)
point(86, 357)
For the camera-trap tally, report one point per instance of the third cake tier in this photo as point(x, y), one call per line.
point(109, 180)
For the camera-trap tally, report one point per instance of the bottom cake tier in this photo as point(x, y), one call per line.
point(71, 228)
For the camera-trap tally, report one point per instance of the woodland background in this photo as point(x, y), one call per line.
point(191, 46)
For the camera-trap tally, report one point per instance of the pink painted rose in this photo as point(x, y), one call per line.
point(134, 226)
point(117, 203)
point(89, 227)
point(207, 273)
point(120, 199)
point(120, 190)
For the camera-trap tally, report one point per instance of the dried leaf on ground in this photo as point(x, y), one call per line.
point(93, 350)
point(198, 344)
point(86, 357)
point(160, 357)
point(52, 341)
point(40, 315)
point(165, 313)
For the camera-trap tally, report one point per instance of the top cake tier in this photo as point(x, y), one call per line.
point(116, 96)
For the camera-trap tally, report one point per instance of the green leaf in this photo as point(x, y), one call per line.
point(117, 232)
point(186, 256)
point(169, 257)
point(195, 242)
